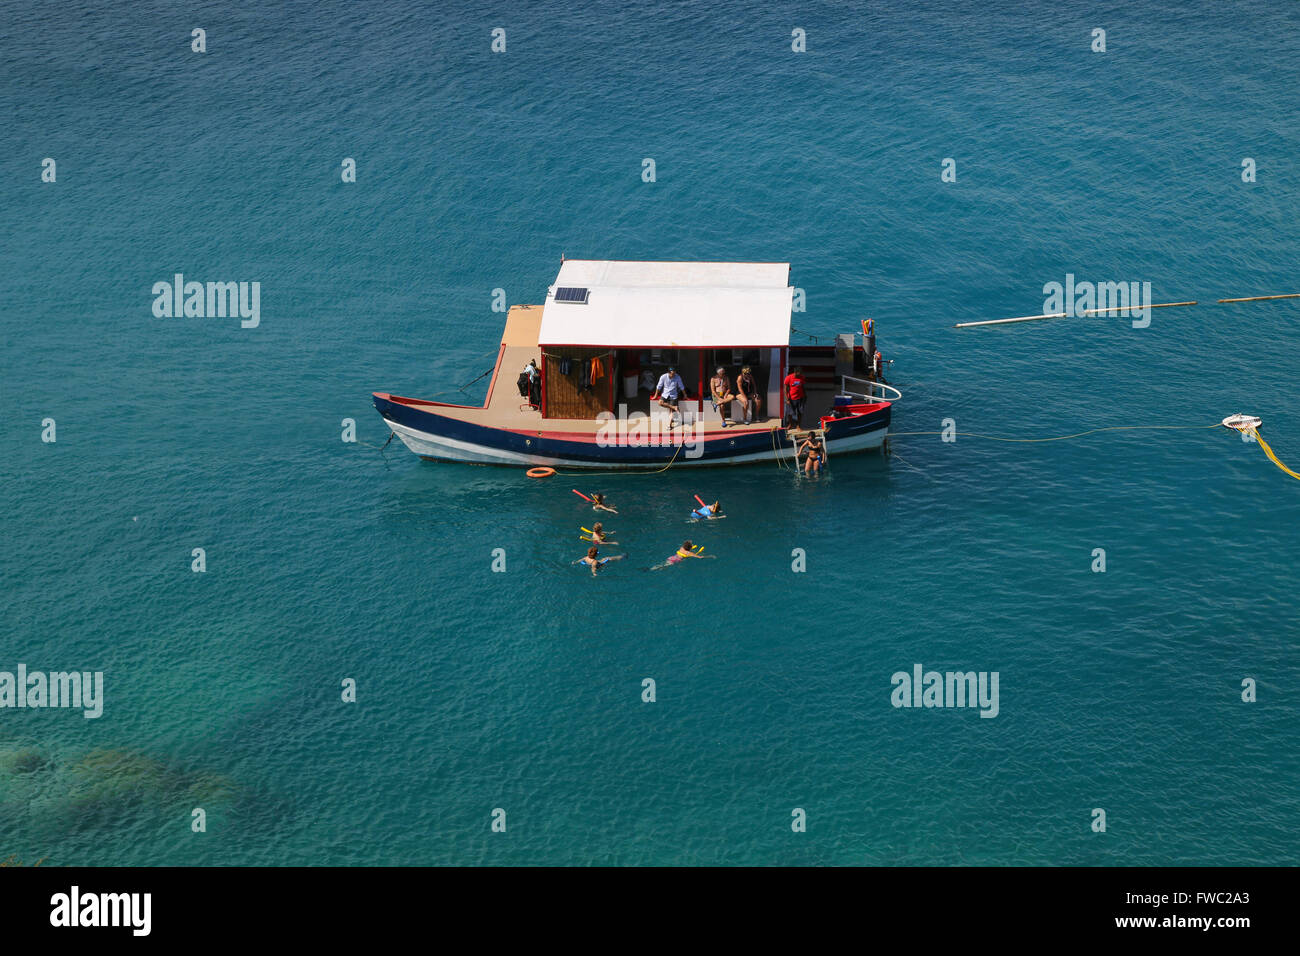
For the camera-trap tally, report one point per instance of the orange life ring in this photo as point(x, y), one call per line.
point(540, 472)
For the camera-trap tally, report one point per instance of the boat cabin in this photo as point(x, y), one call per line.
point(610, 329)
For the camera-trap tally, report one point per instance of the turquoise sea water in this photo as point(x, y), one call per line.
point(521, 690)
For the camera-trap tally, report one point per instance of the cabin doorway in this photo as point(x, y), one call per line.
point(640, 370)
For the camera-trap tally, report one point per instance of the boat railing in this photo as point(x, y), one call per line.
point(868, 390)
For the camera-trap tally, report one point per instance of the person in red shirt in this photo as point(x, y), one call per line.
point(794, 395)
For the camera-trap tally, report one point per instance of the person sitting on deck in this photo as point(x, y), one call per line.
point(596, 562)
point(707, 511)
point(687, 550)
point(721, 395)
point(668, 392)
point(598, 503)
point(816, 455)
point(747, 393)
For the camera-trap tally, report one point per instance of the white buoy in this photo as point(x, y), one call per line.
point(1243, 423)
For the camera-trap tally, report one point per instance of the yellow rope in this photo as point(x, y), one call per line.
point(776, 454)
point(657, 471)
point(1271, 457)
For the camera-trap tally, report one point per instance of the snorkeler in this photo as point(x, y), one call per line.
point(594, 561)
point(598, 504)
point(707, 511)
point(687, 550)
point(598, 535)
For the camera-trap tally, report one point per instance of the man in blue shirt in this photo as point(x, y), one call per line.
point(669, 391)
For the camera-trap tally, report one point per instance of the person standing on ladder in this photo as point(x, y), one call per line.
point(816, 452)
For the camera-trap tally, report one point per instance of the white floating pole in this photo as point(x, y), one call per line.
point(1023, 318)
point(1062, 315)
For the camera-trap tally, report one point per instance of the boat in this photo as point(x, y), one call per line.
point(606, 332)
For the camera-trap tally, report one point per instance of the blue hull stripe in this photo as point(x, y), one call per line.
point(719, 448)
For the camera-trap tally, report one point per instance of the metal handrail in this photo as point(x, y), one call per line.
point(870, 392)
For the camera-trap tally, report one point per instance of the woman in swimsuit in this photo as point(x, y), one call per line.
point(747, 392)
point(598, 504)
point(684, 552)
point(599, 535)
point(596, 562)
point(816, 454)
point(708, 511)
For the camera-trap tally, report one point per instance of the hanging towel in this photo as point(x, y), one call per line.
point(597, 369)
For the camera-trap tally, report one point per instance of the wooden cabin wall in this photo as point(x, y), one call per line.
point(564, 397)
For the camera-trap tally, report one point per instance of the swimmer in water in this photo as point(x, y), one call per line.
point(598, 504)
point(594, 561)
point(684, 552)
point(707, 511)
point(598, 535)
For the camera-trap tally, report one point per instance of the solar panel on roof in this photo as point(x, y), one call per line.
point(571, 294)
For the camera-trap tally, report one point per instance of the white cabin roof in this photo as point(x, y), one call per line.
point(669, 304)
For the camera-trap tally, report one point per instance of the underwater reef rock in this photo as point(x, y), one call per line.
point(107, 786)
point(108, 773)
point(27, 760)
point(120, 790)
